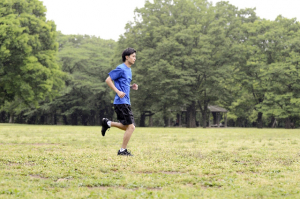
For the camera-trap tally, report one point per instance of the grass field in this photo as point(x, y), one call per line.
point(77, 162)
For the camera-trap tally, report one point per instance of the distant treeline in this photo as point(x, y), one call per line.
point(190, 54)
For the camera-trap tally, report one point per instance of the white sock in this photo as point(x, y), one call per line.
point(109, 123)
point(121, 150)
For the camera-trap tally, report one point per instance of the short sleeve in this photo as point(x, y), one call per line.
point(116, 73)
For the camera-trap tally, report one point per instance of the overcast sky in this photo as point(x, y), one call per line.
point(107, 18)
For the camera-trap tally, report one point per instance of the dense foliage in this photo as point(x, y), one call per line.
point(85, 97)
point(29, 71)
point(190, 54)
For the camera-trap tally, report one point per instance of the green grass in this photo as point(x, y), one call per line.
point(77, 162)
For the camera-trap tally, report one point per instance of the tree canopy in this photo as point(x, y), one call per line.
point(190, 54)
point(28, 66)
point(186, 50)
point(85, 98)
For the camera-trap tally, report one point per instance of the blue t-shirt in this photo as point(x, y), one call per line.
point(122, 77)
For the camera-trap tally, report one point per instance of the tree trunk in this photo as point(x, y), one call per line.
point(55, 118)
point(204, 120)
point(92, 118)
point(2, 117)
point(142, 120)
point(287, 123)
point(11, 117)
point(274, 122)
point(42, 119)
point(101, 116)
point(84, 119)
point(52, 119)
point(166, 120)
point(65, 119)
point(259, 120)
point(74, 119)
point(97, 118)
point(150, 121)
point(191, 116)
point(204, 112)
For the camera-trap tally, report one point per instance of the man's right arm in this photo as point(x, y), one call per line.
point(113, 87)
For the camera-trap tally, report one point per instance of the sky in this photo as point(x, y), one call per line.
point(107, 18)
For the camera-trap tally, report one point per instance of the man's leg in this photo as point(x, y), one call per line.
point(119, 125)
point(127, 135)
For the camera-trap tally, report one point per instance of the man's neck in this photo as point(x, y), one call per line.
point(127, 64)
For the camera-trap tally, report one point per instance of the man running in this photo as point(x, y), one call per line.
point(122, 77)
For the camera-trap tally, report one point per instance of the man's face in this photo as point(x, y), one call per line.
point(131, 59)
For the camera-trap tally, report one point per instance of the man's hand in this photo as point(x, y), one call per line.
point(121, 94)
point(112, 86)
point(134, 86)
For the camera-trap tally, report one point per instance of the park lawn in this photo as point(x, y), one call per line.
point(77, 162)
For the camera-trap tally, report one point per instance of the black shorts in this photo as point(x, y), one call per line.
point(124, 113)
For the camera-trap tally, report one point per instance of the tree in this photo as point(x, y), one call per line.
point(255, 55)
point(29, 71)
point(282, 75)
point(186, 48)
point(220, 54)
point(85, 98)
point(270, 70)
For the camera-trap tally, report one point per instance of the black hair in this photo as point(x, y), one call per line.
point(127, 52)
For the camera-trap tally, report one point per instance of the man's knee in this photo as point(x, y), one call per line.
point(131, 127)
